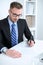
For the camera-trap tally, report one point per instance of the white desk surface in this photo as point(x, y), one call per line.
point(28, 54)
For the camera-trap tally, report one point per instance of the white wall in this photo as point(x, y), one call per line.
point(40, 19)
point(4, 7)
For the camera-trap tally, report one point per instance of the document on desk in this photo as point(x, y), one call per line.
point(25, 59)
point(28, 54)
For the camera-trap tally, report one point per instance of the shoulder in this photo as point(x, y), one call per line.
point(23, 21)
point(3, 20)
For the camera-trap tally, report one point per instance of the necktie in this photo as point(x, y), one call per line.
point(13, 35)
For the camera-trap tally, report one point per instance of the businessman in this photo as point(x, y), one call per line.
point(12, 29)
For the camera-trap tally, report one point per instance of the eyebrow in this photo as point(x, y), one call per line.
point(15, 13)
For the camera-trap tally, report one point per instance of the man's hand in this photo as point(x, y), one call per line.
point(31, 43)
point(13, 53)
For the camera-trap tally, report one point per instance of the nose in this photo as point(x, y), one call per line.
point(16, 17)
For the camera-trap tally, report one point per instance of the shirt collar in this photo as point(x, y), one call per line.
point(10, 22)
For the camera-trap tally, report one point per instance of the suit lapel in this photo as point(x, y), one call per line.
point(18, 29)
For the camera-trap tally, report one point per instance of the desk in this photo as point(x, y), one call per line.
point(28, 54)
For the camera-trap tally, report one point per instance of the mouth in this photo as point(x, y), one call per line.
point(15, 20)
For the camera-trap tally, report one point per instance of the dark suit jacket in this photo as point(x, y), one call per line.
point(5, 38)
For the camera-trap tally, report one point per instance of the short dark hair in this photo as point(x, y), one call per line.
point(16, 5)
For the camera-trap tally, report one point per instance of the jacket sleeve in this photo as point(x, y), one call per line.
point(27, 32)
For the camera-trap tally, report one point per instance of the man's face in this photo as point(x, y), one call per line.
point(14, 14)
